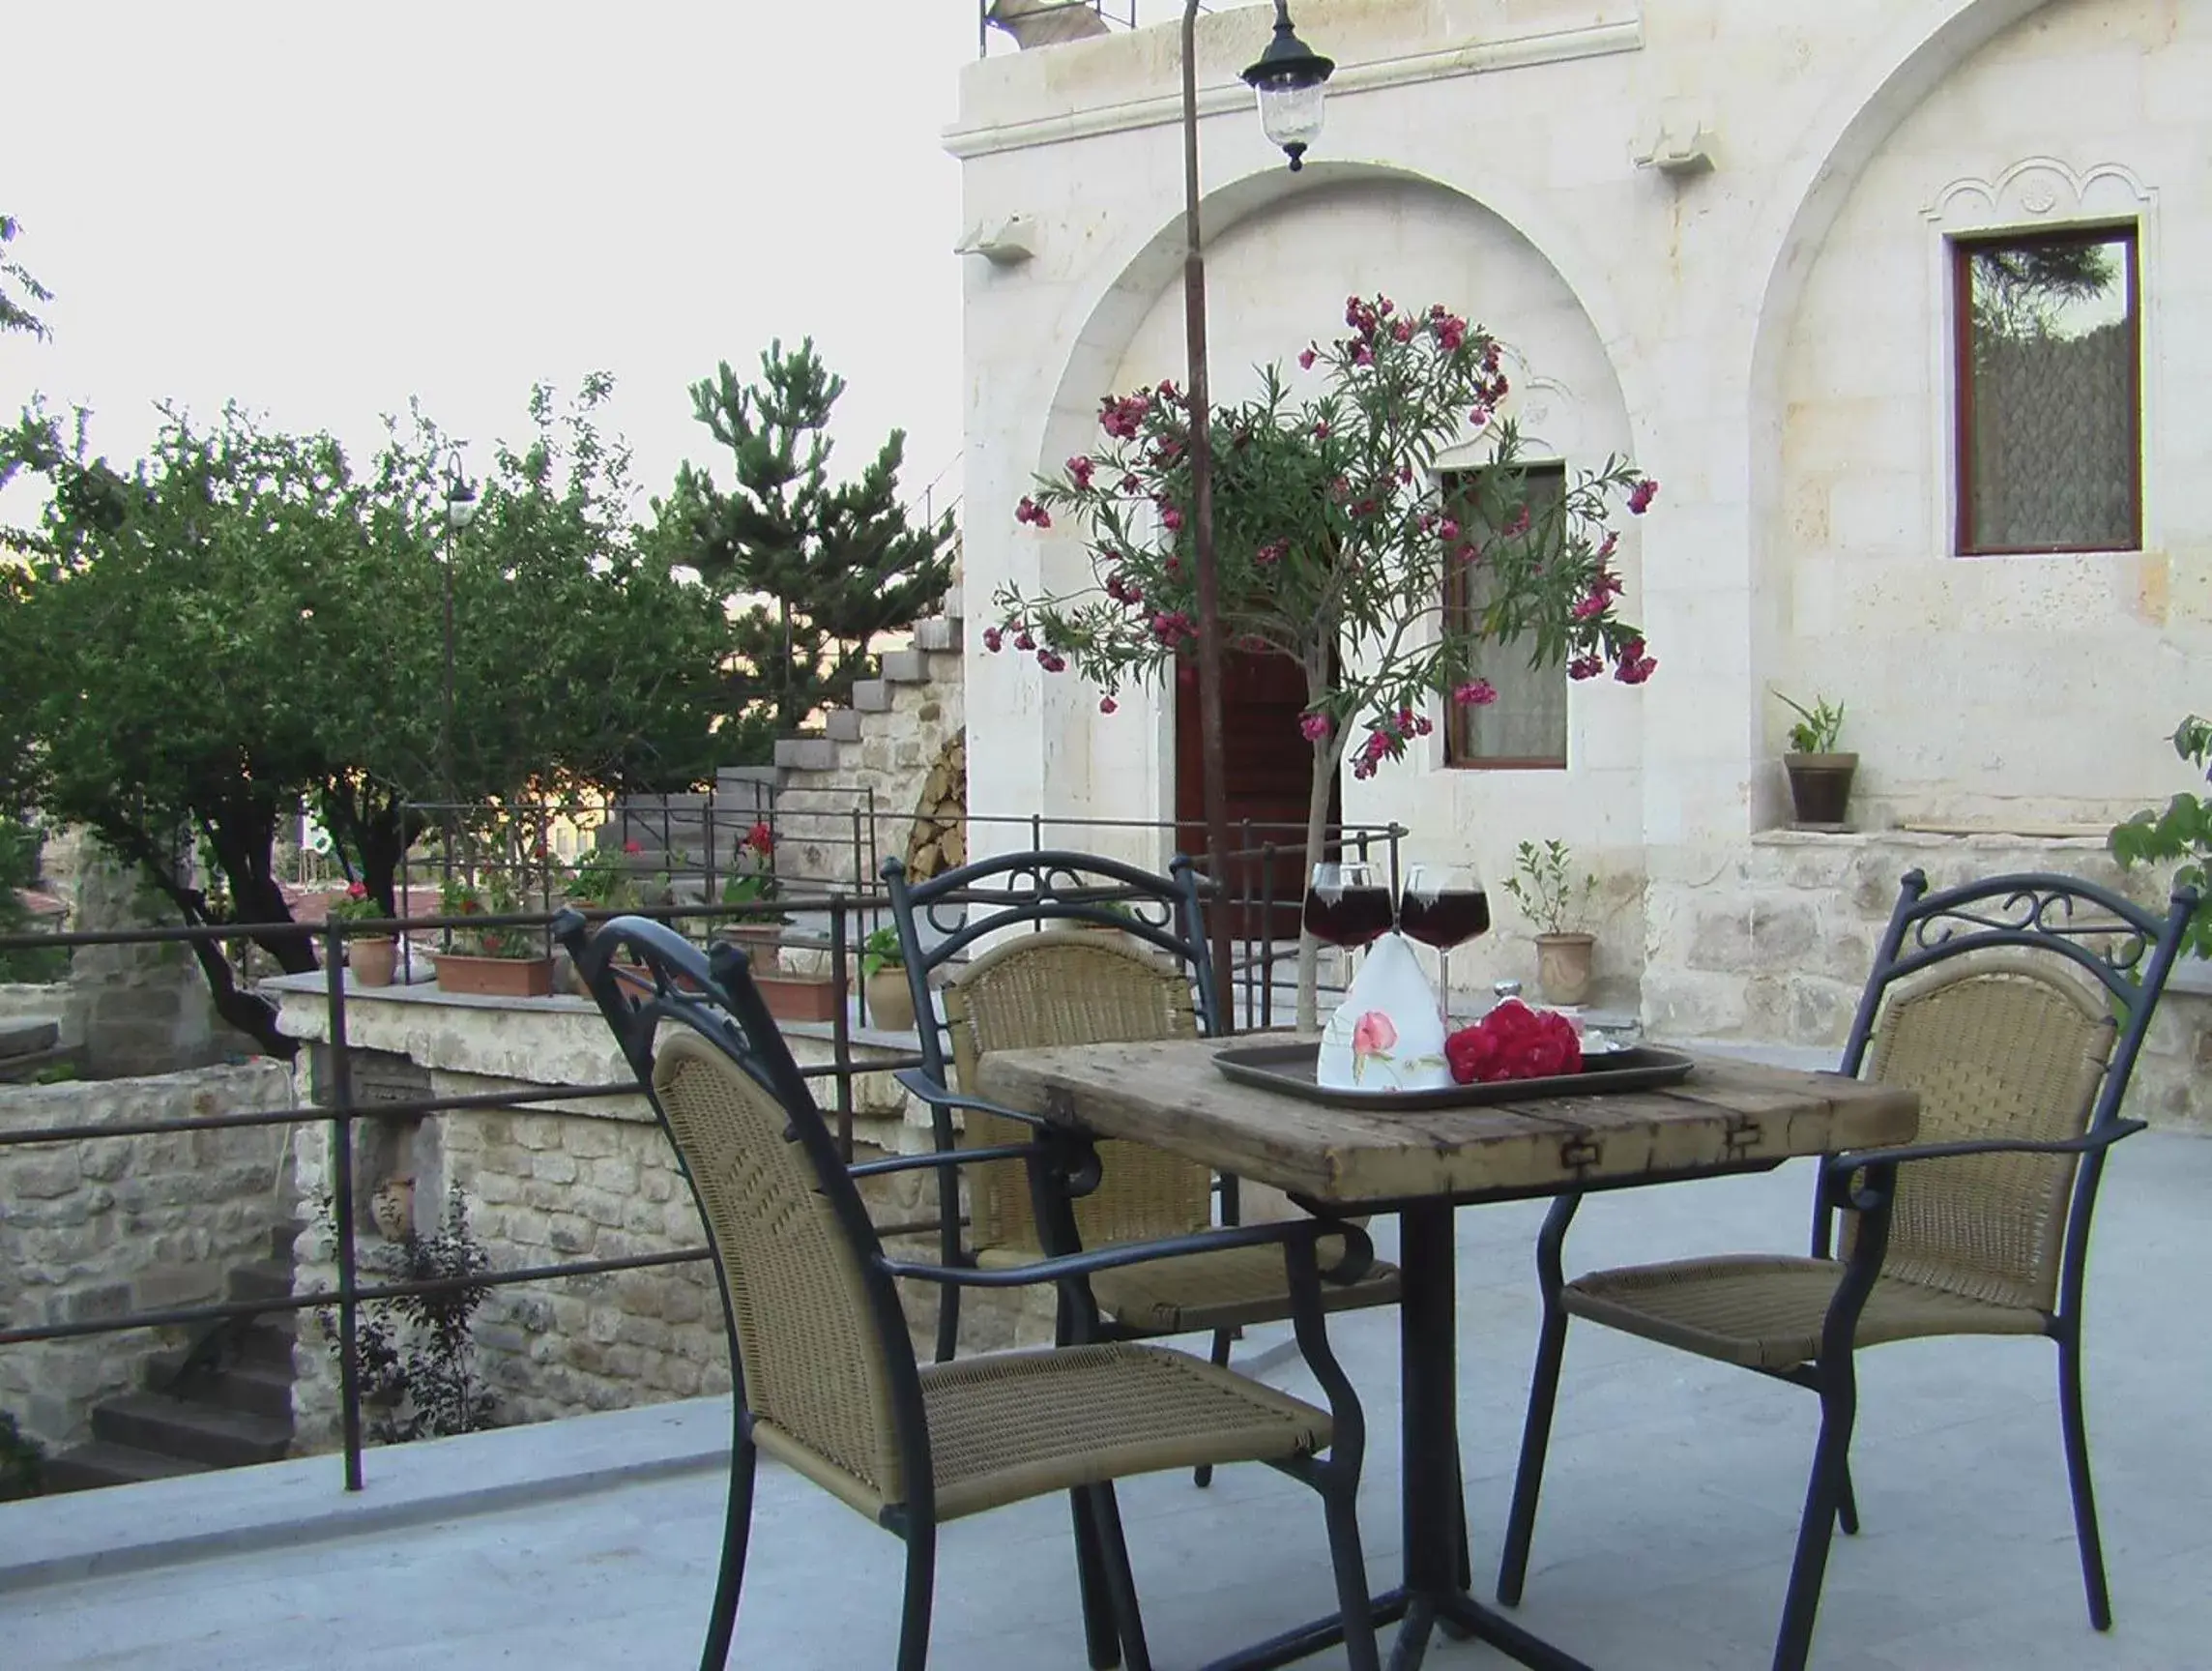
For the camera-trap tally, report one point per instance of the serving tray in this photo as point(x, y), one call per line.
point(1289, 1068)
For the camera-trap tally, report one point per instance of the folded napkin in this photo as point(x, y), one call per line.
point(1388, 1034)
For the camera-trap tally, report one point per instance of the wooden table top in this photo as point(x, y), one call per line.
point(1727, 1115)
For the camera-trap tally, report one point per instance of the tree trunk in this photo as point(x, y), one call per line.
point(1328, 755)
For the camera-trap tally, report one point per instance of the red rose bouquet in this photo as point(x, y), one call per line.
point(1514, 1042)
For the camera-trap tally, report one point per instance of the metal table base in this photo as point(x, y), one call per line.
point(1435, 1594)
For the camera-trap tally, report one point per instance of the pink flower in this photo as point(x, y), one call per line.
point(1586, 666)
point(1373, 1035)
point(1171, 519)
point(1107, 704)
point(993, 639)
point(1030, 511)
point(1479, 417)
point(1386, 306)
point(1306, 360)
point(1130, 485)
point(357, 890)
point(1422, 725)
point(1364, 355)
point(1635, 666)
point(1274, 552)
point(1641, 495)
point(1474, 693)
point(1079, 470)
point(1519, 523)
point(1592, 606)
point(760, 839)
point(1052, 661)
point(1447, 530)
point(1403, 330)
point(634, 848)
point(1609, 545)
point(1315, 727)
point(1321, 431)
point(1024, 641)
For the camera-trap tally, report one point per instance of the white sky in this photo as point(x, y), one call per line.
point(320, 209)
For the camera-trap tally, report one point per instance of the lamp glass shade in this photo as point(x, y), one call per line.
point(1291, 113)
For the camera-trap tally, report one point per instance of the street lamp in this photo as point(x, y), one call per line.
point(461, 510)
point(1289, 79)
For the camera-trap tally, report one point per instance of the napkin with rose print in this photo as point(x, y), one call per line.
point(1387, 1034)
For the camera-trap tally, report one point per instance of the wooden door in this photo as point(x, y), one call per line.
point(1270, 770)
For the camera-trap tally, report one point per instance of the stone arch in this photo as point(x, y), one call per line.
point(1150, 266)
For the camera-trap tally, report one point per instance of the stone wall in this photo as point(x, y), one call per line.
point(113, 1225)
point(587, 1180)
point(1775, 947)
point(147, 1009)
point(58, 1002)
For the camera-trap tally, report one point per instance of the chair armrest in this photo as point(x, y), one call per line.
point(1359, 1255)
point(1853, 1159)
point(921, 1085)
point(944, 1158)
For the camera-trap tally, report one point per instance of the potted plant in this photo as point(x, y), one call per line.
point(492, 962)
point(1549, 896)
point(1820, 778)
point(373, 956)
point(603, 880)
point(883, 977)
point(2182, 832)
point(752, 881)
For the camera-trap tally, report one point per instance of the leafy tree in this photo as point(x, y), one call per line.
point(1336, 549)
point(239, 625)
point(15, 310)
point(813, 570)
point(2022, 291)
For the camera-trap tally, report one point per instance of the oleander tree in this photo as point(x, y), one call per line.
point(19, 292)
point(1338, 546)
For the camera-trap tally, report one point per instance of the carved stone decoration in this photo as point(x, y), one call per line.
point(2038, 188)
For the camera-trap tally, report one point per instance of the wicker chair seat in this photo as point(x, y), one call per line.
point(1764, 1312)
point(1229, 1288)
point(1009, 1426)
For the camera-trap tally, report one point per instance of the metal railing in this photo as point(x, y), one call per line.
point(840, 913)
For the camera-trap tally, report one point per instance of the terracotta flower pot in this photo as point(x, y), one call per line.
point(800, 997)
point(1563, 967)
point(496, 977)
point(372, 961)
point(1820, 786)
point(890, 1001)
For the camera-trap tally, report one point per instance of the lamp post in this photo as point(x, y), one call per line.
point(1289, 79)
point(461, 510)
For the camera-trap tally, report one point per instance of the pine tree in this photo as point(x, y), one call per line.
point(816, 568)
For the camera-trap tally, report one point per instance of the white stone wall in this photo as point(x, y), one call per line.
point(1766, 337)
point(108, 1226)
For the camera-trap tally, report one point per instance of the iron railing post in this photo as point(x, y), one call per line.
point(841, 1029)
point(340, 1057)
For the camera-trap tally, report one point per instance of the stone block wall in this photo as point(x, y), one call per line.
point(1774, 942)
point(108, 1226)
point(592, 1180)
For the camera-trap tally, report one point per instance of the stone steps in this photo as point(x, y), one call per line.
point(90, 1467)
point(191, 1430)
point(229, 1402)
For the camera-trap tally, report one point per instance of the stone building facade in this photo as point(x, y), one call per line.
point(1722, 238)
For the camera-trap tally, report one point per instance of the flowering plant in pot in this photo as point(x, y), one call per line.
point(752, 881)
point(1820, 778)
point(371, 957)
point(884, 979)
point(507, 962)
point(1550, 896)
point(604, 880)
point(1340, 546)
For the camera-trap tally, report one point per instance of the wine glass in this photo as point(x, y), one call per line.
point(1347, 904)
point(1444, 905)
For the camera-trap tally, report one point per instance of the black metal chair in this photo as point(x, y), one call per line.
point(823, 1366)
point(2014, 1007)
point(1113, 954)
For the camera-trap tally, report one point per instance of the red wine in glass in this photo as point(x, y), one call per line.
point(1451, 917)
point(1444, 905)
point(1347, 907)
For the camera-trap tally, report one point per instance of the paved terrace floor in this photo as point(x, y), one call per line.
point(1670, 1508)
